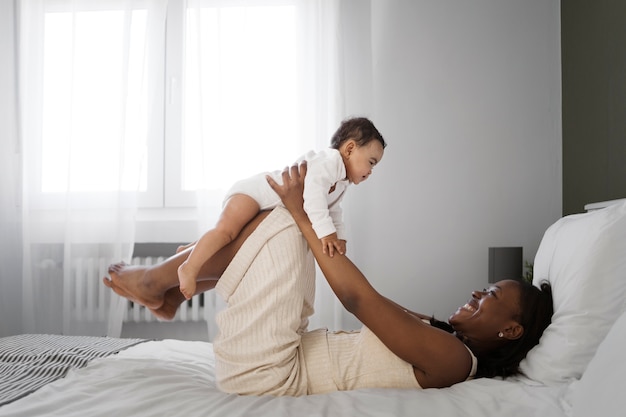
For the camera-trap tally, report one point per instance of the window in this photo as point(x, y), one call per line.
point(172, 96)
point(93, 94)
point(238, 96)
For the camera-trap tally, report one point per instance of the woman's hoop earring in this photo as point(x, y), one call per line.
point(500, 334)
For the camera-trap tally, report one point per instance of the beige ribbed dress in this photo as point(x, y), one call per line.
point(263, 346)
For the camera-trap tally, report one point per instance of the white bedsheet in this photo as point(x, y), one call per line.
point(177, 378)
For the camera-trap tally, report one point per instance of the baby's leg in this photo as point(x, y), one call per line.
point(238, 211)
point(156, 286)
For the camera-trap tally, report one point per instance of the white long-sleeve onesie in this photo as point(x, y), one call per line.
point(325, 172)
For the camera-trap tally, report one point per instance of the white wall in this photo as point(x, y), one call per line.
point(467, 94)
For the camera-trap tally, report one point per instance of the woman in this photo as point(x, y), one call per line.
point(265, 348)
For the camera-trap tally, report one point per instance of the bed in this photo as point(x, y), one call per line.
point(576, 370)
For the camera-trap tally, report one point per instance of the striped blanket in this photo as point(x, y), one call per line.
point(30, 361)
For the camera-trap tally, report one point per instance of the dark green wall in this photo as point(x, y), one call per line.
point(593, 47)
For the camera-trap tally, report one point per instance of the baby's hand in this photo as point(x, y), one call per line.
point(342, 246)
point(330, 244)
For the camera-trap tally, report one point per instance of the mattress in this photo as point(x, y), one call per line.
point(173, 377)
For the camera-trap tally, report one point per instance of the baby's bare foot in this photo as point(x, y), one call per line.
point(132, 282)
point(187, 280)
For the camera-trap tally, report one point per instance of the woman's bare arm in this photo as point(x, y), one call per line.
point(413, 313)
point(439, 358)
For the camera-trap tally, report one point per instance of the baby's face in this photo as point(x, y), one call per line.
point(361, 160)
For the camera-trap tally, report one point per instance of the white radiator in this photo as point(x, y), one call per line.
point(87, 299)
point(192, 310)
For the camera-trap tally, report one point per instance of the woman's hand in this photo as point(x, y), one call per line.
point(292, 188)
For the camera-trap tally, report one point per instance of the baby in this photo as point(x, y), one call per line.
point(356, 147)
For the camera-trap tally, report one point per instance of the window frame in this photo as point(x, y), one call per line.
point(174, 196)
point(164, 144)
point(40, 200)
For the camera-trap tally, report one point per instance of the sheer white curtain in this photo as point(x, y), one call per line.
point(10, 243)
point(83, 145)
point(261, 86)
point(217, 113)
point(323, 107)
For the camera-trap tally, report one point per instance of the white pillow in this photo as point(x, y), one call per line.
point(583, 256)
point(600, 391)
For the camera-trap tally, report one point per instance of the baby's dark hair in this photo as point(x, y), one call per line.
point(359, 129)
point(536, 309)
